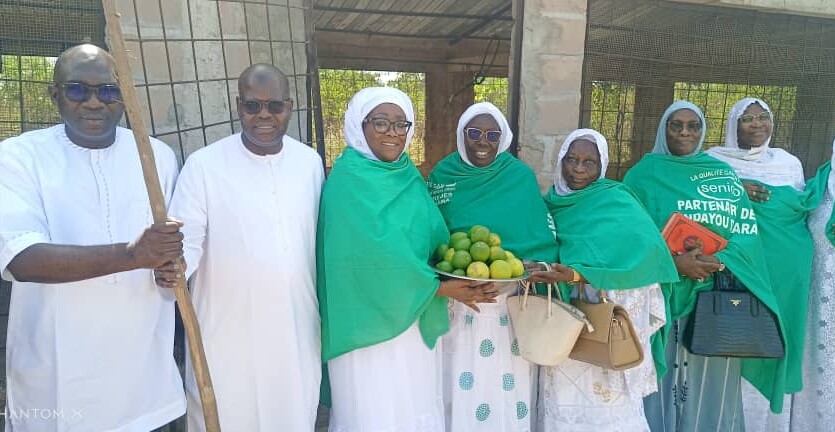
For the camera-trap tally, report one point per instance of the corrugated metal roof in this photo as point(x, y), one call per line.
point(437, 19)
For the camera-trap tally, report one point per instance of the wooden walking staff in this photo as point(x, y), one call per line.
point(149, 170)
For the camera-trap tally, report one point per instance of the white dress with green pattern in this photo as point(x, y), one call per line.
point(487, 384)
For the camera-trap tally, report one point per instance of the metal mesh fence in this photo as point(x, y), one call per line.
point(185, 58)
point(32, 34)
point(643, 54)
point(494, 90)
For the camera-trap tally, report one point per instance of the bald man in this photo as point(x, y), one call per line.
point(90, 336)
point(249, 204)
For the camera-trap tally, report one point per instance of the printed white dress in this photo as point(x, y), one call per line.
point(487, 384)
point(580, 397)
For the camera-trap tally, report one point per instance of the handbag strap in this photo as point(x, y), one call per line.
point(582, 295)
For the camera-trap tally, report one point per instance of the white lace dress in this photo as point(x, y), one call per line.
point(487, 384)
point(580, 397)
point(812, 408)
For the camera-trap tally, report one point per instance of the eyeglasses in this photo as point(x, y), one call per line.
point(80, 92)
point(253, 107)
point(475, 134)
point(382, 125)
point(677, 126)
point(748, 118)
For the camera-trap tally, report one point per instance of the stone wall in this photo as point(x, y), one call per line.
point(553, 44)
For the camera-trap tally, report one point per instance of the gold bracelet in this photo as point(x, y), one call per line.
point(577, 277)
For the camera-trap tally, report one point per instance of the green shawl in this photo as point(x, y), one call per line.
point(606, 235)
point(815, 188)
point(503, 196)
point(708, 191)
point(788, 248)
point(377, 230)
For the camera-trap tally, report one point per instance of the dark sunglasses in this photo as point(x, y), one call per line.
point(253, 107)
point(475, 134)
point(677, 126)
point(79, 92)
point(748, 118)
point(382, 125)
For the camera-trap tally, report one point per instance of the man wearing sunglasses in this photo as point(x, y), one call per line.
point(90, 337)
point(249, 204)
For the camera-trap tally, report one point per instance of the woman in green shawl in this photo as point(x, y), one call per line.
point(773, 179)
point(381, 304)
point(487, 385)
point(608, 242)
point(703, 393)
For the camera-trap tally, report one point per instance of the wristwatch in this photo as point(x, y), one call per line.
point(577, 277)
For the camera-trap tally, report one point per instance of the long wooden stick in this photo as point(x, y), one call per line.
point(149, 170)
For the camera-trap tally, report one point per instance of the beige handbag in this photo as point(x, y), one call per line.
point(613, 344)
point(545, 328)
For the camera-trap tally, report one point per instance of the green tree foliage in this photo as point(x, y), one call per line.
point(716, 100)
point(612, 110)
point(337, 87)
point(24, 100)
point(494, 90)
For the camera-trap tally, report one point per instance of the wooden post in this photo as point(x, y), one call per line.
point(149, 170)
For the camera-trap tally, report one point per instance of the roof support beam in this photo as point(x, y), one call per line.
point(408, 13)
point(414, 36)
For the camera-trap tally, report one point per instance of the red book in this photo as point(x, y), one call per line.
point(683, 234)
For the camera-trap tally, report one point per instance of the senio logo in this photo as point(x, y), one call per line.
point(725, 188)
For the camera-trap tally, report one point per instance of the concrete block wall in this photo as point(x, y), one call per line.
point(186, 56)
point(553, 43)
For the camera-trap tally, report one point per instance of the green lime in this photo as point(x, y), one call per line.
point(459, 272)
point(479, 233)
point(500, 269)
point(497, 253)
point(494, 240)
point(449, 254)
point(480, 251)
point(462, 244)
point(517, 268)
point(455, 237)
point(478, 269)
point(440, 251)
point(461, 259)
point(444, 266)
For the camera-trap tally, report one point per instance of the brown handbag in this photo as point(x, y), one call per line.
point(613, 344)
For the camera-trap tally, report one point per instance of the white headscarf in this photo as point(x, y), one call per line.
point(772, 166)
point(560, 185)
point(363, 102)
point(476, 110)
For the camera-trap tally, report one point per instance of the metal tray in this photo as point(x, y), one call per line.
point(524, 276)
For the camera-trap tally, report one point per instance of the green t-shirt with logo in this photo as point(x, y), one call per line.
point(708, 191)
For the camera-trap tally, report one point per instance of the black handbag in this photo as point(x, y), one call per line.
point(730, 321)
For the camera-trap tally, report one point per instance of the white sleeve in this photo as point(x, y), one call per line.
point(189, 205)
point(167, 169)
point(23, 221)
